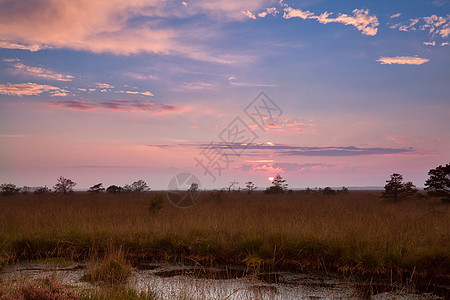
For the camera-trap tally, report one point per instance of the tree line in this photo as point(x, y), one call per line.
point(437, 185)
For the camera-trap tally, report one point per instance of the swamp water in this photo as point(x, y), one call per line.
point(168, 281)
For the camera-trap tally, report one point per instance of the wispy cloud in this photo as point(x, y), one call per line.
point(402, 60)
point(31, 89)
point(296, 167)
point(116, 105)
point(434, 25)
point(13, 45)
point(146, 93)
point(268, 11)
point(140, 76)
point(361, 19)
point(249, 14)
point(104, 85)
point(233, 81)
point(292, 150)
point(396, 15)
point(194, 86)
point(22, 69)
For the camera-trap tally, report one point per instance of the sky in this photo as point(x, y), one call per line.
point(325, 93)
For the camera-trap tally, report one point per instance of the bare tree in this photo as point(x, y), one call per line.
point(233, 183)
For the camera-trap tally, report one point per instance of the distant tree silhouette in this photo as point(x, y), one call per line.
point(396, 190)
point(25, 189)
point(97, 189)
point(438, 184)
point(42, 190)
point(233, 183)
point(9, 189)
point(344, 190)
point(64, 185)
point(137, 187)
point(250, 187)
point(193, 189)
point(328, 191)
point(114, 189)
point(278, 186)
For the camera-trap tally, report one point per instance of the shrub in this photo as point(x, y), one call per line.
point(328, 191)
point(42, 190)
point(278, 186)
point(136, 187)
point(219, 195)
point(9, 189)
point(97, 189)
point(155, 204)
point(114, 189)
point(25, 189)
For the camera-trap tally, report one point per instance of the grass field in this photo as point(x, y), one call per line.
point(355, 234)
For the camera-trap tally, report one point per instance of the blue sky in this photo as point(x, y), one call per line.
point(116, 91)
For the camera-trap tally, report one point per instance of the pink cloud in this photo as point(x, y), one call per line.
point(402, 60)
point(23, 69)
point(31, 89)
point(116, 105)
point(361, 19)
point(103, 26)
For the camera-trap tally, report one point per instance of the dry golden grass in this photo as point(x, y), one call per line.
point(352, 233)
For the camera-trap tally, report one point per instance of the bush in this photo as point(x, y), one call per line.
point(97, 189)
point(328, 191)
point(42, 190)
point(274, 190)
point(219, 195)
point(9, 189)
point(155, 204)
point(25, 189)
point(114, 189)
point(136, 187)
point(278, 186)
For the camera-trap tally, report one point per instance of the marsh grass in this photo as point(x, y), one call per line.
point(45, 289)
point(112, 269)
point(48, 289)
point(116, 293)
point(354, 234)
